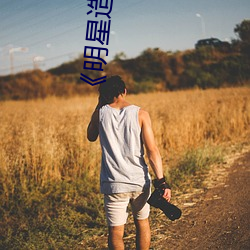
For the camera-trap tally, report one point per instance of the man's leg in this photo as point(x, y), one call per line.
point(143, 234)
point(115, 239)
point(116, 214)
point(141, 210)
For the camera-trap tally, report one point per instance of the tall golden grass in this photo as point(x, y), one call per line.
point(45, 140)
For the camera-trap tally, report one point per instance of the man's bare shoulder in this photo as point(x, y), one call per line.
point(143, 113)
point(143, 117)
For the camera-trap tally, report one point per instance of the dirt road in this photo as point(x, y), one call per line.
point(218, 218)
point(215, 218)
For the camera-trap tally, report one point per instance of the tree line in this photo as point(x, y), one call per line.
point(152, 70)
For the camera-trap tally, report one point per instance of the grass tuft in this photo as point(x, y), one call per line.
point(193, 165)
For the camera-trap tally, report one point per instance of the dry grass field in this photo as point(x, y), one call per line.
point(43, 142)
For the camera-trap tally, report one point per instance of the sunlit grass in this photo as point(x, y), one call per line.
point(50, 172)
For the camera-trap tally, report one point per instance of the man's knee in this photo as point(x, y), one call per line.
point(144, 223)
point(116, 231)
point(115, 239)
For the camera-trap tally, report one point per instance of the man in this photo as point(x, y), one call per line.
point(123, 130)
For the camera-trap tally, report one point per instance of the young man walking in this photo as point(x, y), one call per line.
point(124, 129)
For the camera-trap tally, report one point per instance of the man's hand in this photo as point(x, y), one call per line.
point(163, 186)
point(157, 200)
point(167, 194)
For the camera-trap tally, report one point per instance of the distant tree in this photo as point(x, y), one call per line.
point(120, 56)
point(243, 31)
point(149, 66)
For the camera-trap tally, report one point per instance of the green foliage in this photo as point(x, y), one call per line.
point(51, 217)
point(149, 66)
point(194, 76)
point(192, 167)
point(243, 31)
point(199, 56)
point(237, 66)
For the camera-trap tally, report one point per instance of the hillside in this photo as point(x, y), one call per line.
point(152, 70)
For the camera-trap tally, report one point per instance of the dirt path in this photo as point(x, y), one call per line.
point(218, 218)
point(215, 218)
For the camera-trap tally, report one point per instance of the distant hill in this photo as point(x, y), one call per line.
point(39, 84)
point(72, 67)
point(152, 70)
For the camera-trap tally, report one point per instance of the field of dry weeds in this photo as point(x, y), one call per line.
point(44, 141)
point(48, 138)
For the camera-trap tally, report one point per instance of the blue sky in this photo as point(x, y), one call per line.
point(55, 30)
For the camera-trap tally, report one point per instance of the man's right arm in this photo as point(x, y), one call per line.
point(93, 127)
point(151, 148)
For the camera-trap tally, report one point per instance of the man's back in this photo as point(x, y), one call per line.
point(123, 165)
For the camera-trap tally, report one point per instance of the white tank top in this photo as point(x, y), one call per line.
point(123, 168)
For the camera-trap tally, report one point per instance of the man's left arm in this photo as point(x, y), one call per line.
point(93, 127)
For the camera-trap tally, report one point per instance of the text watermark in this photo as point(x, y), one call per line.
point(97, 31)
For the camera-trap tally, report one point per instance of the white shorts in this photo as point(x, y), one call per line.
point(116, 206)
